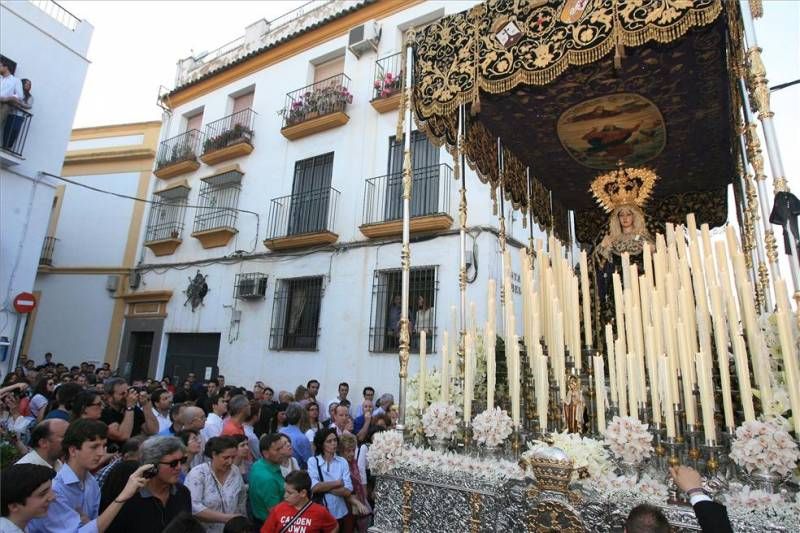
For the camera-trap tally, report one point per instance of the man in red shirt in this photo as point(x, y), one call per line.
point(300, 514)
point(238, 412)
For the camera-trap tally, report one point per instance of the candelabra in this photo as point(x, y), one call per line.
point(673, 459)
point(692, 450)
point(588, 353)
point(712, 458)
point(658, 447)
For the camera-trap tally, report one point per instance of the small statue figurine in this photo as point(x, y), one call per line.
point(574, 406)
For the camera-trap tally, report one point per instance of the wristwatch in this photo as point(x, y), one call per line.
point(129, 408)
point(696, 490)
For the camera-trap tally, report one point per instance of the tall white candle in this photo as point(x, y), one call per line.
point(542, 390)
point(622, 385)
point(666, 390)
point(633, 391)
point(445, 385)
point(514, 383)
point(469, 354)
point(612, 363)
point(586, 301)
point(421, 380)
point(721, 342)
point(706, 398)
point(600, 393)
point(652, 373)
point(791, 363)
point(619, 306)
point(686, 372)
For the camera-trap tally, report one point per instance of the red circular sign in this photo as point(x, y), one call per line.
point(24, 302)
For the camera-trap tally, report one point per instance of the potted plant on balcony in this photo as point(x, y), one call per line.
point(319, 101)
point(387, 86)
point(238, 133)
point(180, 152)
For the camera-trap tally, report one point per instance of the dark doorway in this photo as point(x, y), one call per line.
point(191, 352)
point(140, 349)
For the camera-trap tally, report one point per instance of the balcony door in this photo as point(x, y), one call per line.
point(425, 184)
point(311, 190)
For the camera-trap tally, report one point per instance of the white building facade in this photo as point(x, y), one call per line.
point(290, 222)
point(47, 45)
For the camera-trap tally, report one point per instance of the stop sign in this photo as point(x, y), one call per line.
point(24, 302)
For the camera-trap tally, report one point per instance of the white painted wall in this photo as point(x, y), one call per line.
point(73, 319)
point(361, 151)
point(54, 58)
point(93, 228)
point(106, 142)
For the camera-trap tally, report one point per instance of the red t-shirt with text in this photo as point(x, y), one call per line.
point(316, 519)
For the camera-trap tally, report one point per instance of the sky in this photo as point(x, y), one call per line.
point(137, 43)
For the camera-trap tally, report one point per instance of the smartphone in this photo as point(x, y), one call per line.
point(151, 472)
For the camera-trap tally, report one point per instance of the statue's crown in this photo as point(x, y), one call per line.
point(551, 468)
point(623, 186)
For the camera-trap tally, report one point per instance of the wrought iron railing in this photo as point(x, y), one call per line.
point(166, 219)
point(178, 149)
point(48, 248)
point(229, 130)
point(295, 314)
point(219, 199)
point(388, 76)
point(307, 212)
point(58, 12)
point(15, 131)
point(431, 191)
point(322, 98)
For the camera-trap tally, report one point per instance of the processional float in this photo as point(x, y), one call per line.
point(616, 127)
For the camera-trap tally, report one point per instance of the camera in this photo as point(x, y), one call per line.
point(151, 472)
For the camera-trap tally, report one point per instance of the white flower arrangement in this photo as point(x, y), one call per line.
point(440, 420)
point(765, 445)
point(760, 507)
point(585, 453)
point(491, 427)
point(612, 487)
point(385, 450)
point(628, 439)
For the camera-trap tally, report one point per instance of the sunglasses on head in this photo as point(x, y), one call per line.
point(175, 463)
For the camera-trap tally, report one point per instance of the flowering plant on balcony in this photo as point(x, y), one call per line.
point(180, 152)
point(315, 102)
point(388, 85)
point(239, 132)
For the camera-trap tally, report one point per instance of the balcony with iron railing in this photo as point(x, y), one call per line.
point(431, 191)
point(165, 222)
point(217, 213)
point(387, 83)
point(302, 219)
point(48, 248)
point(178, 155)
point(229, 137)
point(13, 136)
point(318, 107)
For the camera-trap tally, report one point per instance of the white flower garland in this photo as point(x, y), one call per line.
point(585, 453)
point(385, 450)
point(440, 420)
point(765, 445)
point(491, 427)
point(628, 439)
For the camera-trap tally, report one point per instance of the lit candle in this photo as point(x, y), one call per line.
point(669, 415)
point(445, 385)
point(421, 380)
point(600, 393)
point(612, 363)
point(587, 315)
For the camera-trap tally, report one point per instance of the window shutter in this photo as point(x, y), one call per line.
point(329, 69)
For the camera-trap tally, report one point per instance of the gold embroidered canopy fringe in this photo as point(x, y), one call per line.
point(509, 62)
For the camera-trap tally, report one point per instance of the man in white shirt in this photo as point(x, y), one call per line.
point(10, 91)
point(344, 390)
point(214, 422)
point(161, 400)
point(46, 440)
point(27, 494)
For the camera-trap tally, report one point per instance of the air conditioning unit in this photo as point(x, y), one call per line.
point(364, 38)
point(251, 286)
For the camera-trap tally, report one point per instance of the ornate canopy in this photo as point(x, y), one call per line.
point(573, 88)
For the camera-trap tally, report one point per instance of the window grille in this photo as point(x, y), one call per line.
point(165, 220)
point(250, 286)
point(218, 200)
point(295, 314)
point(384, 328)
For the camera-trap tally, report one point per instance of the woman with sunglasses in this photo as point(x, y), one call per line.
point(217, 488)
point(88, 404)
point(162, 498)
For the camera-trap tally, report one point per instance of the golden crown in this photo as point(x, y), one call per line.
point(623, 186)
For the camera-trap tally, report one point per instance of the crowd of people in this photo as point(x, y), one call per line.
point(85, 451)
point(93, 453)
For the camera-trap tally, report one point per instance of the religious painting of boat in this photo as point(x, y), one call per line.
point(600, 132)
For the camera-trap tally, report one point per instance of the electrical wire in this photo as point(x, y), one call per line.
point(153, 202)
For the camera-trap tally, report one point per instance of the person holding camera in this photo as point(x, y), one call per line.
point(124, 417)
point(162, 497)
point(77, 494)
